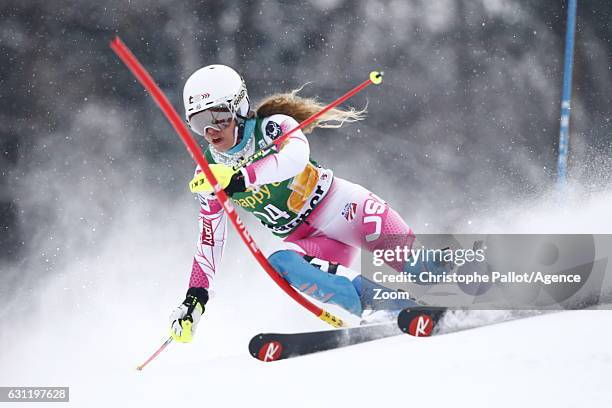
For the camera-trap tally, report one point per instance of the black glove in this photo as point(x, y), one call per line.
point(236, 184)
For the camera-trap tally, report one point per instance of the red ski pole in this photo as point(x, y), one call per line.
point(159, 350)
point(375, 78)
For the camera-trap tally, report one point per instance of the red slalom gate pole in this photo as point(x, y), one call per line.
point(124, 53)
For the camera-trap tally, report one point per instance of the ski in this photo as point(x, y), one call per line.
point(420, 321)
point(278, 346)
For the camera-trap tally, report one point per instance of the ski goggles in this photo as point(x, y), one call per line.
point(217, 118)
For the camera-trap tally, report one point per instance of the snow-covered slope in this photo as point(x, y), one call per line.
point(562, 360)
point(90, 325)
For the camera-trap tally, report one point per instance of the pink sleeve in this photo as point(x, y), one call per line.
point(212, 222)
point(289, 161)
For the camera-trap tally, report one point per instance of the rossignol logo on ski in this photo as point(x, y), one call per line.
point(420, 321)
point(270, 351)
point(421, 326)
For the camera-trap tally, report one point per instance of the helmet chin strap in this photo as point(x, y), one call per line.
point(235, 135)
point(238, 131)
point(240, 117)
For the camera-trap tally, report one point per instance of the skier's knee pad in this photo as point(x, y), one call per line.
point(282, 260)
point(325, 266)
point(315, 281)
point(331, 267)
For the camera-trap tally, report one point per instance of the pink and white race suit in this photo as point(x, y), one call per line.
point(348, 218)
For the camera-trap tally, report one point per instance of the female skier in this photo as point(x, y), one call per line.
point(323, 220)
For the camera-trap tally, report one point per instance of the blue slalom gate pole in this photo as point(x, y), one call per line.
point(567, 95)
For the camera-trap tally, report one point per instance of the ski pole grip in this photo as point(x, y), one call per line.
point(376, 77)
point(331, 319)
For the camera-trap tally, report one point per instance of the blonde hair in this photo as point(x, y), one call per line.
point(299, 108)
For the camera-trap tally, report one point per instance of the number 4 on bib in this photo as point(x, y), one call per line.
point(272, 214)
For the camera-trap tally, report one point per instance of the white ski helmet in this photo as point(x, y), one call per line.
point(215, 86)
